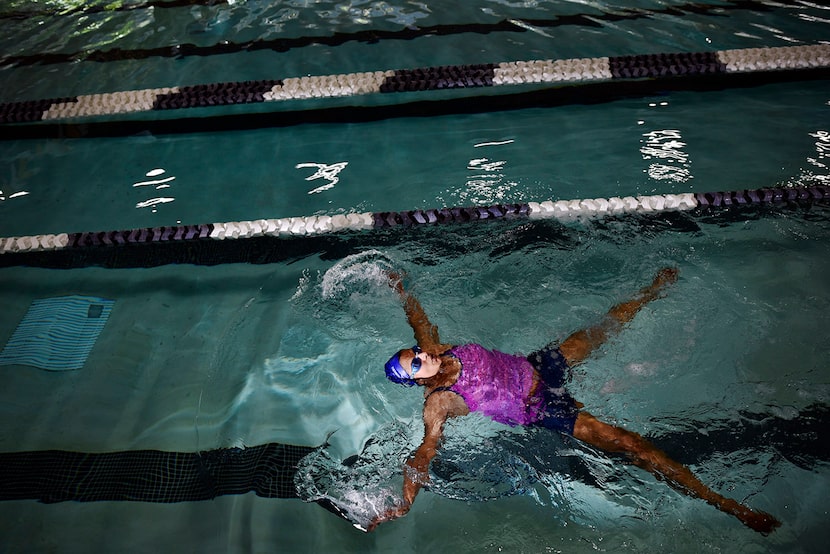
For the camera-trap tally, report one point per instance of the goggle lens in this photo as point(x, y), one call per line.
point(416, 361)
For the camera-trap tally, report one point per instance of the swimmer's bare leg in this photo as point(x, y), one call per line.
point(581, 344)
point(646, 456)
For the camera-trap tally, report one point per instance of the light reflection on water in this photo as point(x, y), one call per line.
point(327, 172)
point(822, 174)
point(158, 184)
point(666, 147)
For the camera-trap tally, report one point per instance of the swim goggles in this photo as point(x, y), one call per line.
point(397, 374)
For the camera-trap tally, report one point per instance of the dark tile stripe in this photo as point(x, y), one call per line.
point(150, 475)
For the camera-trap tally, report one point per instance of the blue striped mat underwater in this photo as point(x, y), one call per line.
point(57, 334)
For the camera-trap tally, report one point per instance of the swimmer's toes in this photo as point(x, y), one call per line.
point(761, 522)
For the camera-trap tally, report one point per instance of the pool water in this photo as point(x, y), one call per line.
point(195, 358)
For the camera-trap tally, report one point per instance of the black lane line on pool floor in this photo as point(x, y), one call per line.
point(373, 36)
point(561, 95)
point(268, 470)
point(150, 475)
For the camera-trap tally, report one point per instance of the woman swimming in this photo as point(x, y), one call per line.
point(517, 390)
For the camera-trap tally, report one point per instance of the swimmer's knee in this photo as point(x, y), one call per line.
point(587, 428)
point(608, 437)
point(576, 348)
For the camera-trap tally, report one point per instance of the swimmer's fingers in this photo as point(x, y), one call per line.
point(395, 281)
point(392, 513)
point(666, 276)
point(663, 279)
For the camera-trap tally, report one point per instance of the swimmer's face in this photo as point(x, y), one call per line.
point(419, 364)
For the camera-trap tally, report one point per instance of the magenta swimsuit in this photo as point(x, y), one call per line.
point(499, 386)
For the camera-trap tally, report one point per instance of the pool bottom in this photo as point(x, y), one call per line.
point(249, 523)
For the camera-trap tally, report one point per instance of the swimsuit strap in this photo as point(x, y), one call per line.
point(440, 389)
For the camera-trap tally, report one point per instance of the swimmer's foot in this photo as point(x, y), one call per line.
point(755, 520)
point(761, 522)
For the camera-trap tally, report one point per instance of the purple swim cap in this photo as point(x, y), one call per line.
point(396, 373)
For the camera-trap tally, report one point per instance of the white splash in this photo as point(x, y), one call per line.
point(370, 267)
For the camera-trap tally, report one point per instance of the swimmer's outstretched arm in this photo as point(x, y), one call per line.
point(438, 407)
point(426, 334)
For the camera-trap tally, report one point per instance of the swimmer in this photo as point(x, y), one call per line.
point(517, 390)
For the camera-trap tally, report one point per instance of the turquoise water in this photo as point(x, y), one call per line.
point(404, 163)
point(196, 358)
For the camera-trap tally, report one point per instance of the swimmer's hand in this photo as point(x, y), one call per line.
point(395, 281)
point(665, 277)
point(392, 513)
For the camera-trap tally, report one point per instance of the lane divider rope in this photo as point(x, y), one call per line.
point(429, 78)
point(563, 210)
